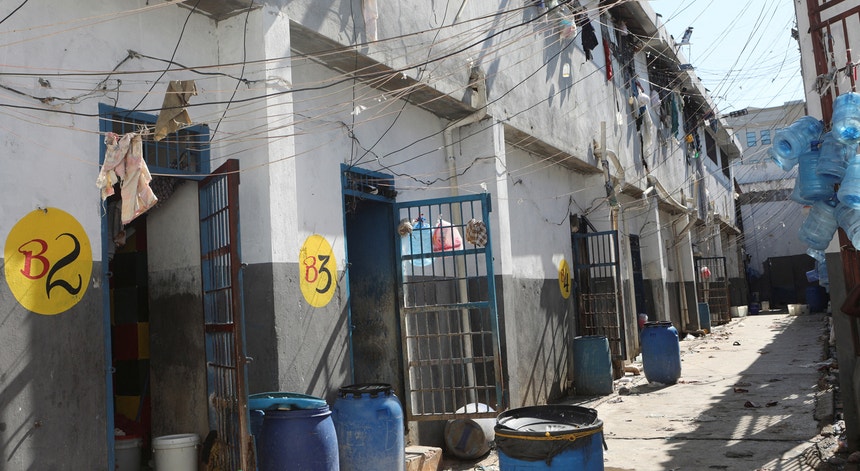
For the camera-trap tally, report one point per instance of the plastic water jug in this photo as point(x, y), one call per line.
point(849, 220)
point(817, 254)
point(820, 225)
point(809, 185)
point(783, 163)
point(846, 118)
point(849, 190)
point(790, 142)
point(834, 157)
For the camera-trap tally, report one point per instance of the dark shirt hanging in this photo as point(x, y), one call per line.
point(589, 39)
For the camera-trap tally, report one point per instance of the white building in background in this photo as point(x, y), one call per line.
point(770, 219)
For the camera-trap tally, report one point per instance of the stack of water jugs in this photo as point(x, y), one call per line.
point(824, 161)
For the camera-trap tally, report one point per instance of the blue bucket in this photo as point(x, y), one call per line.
point(368, 419)
point(558, 437)
point(592, 366)
point(816, 298)
point(661, 352)
point(297, 433)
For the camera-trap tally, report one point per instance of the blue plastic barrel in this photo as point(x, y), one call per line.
point(368, 419)
point(297, 433)
point(661, 352)
point(592, 366)
point(816, 298)
point(557, 437)
point(704, 316)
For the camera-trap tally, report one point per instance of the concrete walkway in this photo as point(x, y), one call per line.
point(748, 399)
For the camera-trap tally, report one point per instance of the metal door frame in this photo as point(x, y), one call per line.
point(599, 251)
point(439, 388)
point(224, 320)
point(714, 290)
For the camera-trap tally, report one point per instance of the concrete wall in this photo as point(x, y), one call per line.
point(52, 394)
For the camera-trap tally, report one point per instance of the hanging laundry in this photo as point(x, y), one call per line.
point(124, 163)
point(476, 233)
point(589, 39)
point(173, 115)
point(607, 55)
point(371, 15)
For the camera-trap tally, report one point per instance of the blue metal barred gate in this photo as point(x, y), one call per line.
point(447, 308)
point(227, 392)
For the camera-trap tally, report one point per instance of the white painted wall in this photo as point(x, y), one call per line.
point(771, 230)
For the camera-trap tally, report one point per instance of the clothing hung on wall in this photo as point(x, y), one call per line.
point(124, 163)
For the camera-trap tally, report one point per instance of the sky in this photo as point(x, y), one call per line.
point(742, 51)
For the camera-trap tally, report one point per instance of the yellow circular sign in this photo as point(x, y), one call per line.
point(318, 271)
point(48, 261)
point(564, 278)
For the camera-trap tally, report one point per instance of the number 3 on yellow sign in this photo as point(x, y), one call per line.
point(317, 271)
point(564, 278)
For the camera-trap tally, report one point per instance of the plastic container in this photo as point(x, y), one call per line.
point(470, 439)
point(176, 452)
point(846, 118)
point(704, 311)
point(819, 226)
point(816, 298)
point(785, 163)
point(368, 419)
point(592, 366)
point(297, 433)
point(809, 185)
point(557, 437)
point(790, 142)
point(833, 158)
point(419, 242)
point(848, 219)
point(127, 452)
point(823, 276)
point(849, 189)
point(661, 353)
point(817, 254)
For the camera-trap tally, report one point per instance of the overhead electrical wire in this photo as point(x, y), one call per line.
point(230, 101)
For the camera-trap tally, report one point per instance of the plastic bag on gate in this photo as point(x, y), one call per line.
point(446, 237)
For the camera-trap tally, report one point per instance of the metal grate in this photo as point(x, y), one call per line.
point(597, 273)
point(222, 310)
point(448, 310)
point(713, 287)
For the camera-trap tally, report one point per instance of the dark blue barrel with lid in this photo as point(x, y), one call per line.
point(368, 419)
point(556, 437)
point(297, 433)
point(661, 352)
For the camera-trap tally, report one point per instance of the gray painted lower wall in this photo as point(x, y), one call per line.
point(52, 385)
point(177, 355)
point(537, 328)
point(295, 347)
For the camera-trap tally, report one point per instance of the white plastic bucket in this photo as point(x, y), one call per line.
point(176, 452)
point(127, 453)
point(798, 309)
